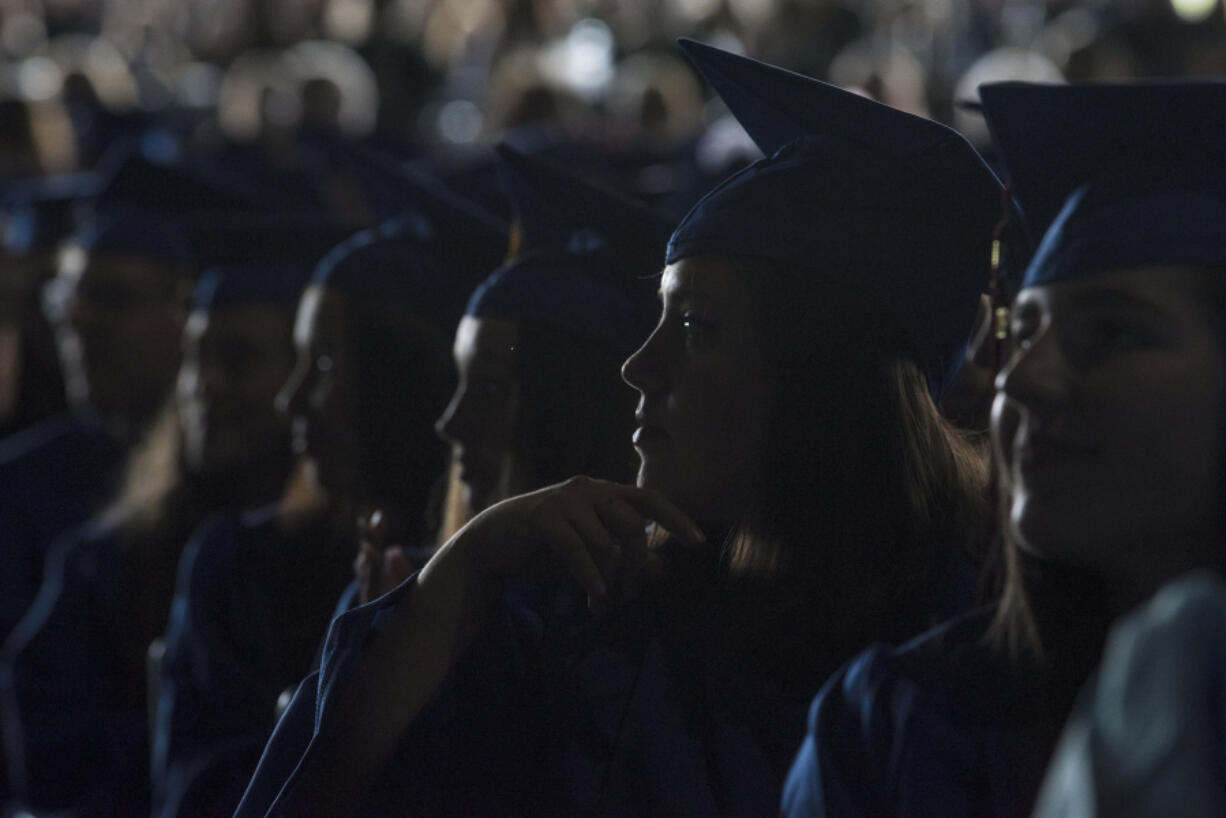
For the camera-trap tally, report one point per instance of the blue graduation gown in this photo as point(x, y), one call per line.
point(251, 610)
point(937, 727)
point(73, 685)
point(53, 477)
point(1148, 737)
point(554, 712)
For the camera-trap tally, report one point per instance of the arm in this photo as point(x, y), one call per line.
point(590, 529)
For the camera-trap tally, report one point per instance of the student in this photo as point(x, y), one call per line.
point(118, 306)
point(1108, 428)
point(779, 360)
point(76, 718)
point(539, 348)
point(256, 590)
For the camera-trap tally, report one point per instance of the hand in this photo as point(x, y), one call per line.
point(593, 530)
point(379, 567)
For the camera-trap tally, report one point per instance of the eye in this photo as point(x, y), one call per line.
point(1098, 339)
point(697, 327)
point(489, 388)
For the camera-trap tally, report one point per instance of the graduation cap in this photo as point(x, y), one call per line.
point(429, 258)
point(585, 260)
point(38, 214)
point(259, 258)
point(1114, 175)
point(852, 191)
point(135, 175)
point(270, 284)
point(239, 239)
point(158, 237)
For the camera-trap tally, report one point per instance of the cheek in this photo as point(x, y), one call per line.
point(260, 389)
point(1176, 438)
point(725, 425)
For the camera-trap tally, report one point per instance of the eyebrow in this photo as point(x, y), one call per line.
point(682, 292)
point(1109, 297)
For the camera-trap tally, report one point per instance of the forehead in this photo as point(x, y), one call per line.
point(135, 271)
point(1177, 291)
point(251, 321)
point(486, 340)
point(711, 277)
point(320, 316)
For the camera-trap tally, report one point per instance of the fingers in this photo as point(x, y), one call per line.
point(595, 530)
point(611, 522)
point(601, 543)
point(570, 548)
point(654, 506)
point(629, 528)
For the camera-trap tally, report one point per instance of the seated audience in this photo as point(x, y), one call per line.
point(1107, 425)
point(549, 659)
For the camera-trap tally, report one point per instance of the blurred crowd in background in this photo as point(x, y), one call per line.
point(284, 91)
point(418, 74)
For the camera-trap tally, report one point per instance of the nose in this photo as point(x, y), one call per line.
point(644, 369)
point(212, 379)
point(450, 426)
point(1037, 374)
point(291, 400)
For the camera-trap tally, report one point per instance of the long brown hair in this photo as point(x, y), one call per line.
point(868, 497)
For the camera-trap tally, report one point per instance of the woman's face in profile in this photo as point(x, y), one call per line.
point(479, 422)
point(702, 409)
point(1110, 421)
point(319, 395)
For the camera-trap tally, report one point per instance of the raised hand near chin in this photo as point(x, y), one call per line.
point(595, 531)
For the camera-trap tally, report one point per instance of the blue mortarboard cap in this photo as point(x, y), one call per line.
point(585, 260)
point(238, 239)
point(159, 237)
point(38, 214)
point(427, 259)
point(136, 177)
point(776, 106)
point(854, 192)
point(1117, 175)
point(275, 285)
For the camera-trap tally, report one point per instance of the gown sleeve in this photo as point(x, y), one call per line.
point(1148, 737)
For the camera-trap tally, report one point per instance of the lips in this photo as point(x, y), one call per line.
point(648, 434)
point(1037, 450)
point(300, 438)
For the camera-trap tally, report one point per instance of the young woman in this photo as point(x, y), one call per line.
point(670, 682)
point(538, 351)
point(256, 590)
point(1108, 426)
point(76, 717)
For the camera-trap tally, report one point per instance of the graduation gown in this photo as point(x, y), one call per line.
point(652, 710)
point(53, 477)
point(73, 682)
point(941, 726)
point(251, 609)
